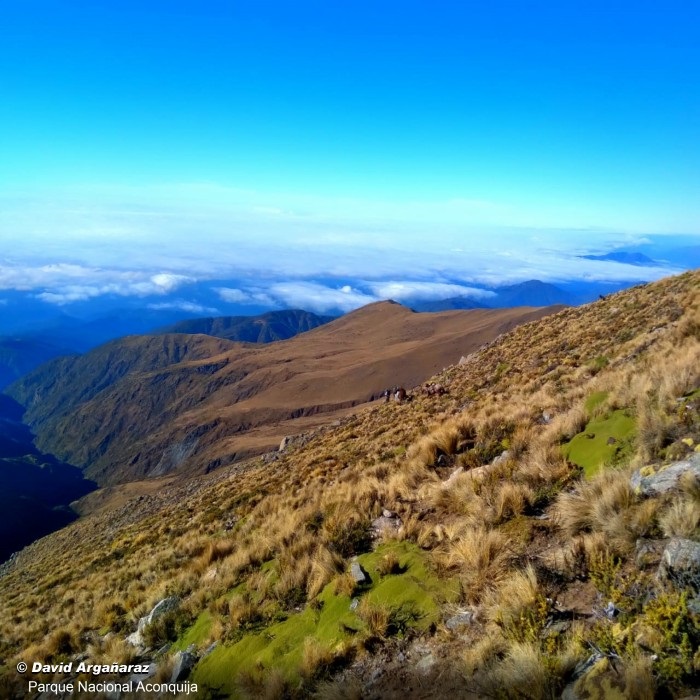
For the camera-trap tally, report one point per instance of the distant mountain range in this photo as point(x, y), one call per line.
point(530, 293)
point(624, 257)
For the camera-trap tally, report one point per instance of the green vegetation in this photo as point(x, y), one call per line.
point(597, 398)
point(605, 440)
point(409, 599)
point(197, 634)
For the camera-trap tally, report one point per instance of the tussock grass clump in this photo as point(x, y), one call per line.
point(375, 616)
point(345, 584)
point(601, 505)
point(390, 564)
point(681, 518)
point(480, 557)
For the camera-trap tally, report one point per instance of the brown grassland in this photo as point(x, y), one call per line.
point(530, 543)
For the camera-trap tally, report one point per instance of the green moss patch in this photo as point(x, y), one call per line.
point(196, 634)
point(605, 440)
point(413, 597)
point(594, 400)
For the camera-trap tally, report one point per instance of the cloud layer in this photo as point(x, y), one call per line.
point(258, 250)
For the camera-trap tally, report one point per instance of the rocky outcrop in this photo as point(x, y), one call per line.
point(359, 575)
point(680, 563)
point(161, 608)
point(658, 480)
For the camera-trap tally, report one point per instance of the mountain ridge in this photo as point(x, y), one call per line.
point(196, 402)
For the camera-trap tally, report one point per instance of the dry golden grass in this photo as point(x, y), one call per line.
point(681, 518)
point(516, 594)
point(375, 616)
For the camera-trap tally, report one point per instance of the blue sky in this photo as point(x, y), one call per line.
point(307, 138)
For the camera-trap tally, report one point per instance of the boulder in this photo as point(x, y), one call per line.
point(184, 662)
point(159, 609)
point(680, 563)
point(449, 482)
point(656, 481)
point(503, 457)
point(648, 552)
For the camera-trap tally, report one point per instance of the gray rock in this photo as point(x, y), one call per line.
point(164, 649)
point(461, 619)
point(358, 573)
point(164, 606)
point(184, 662)
point(611, 610)
point(680, 563)
point(571, 690)
point(648, 552)
point(354, 603)
point(504, 456)
point(426, 663)
point(555, 628)
point(388, 514)
point(449, 482)
point(385, 526)
point(655, 481)
point(210, 648)
point(286, 440)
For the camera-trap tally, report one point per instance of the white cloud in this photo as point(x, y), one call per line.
point(318, 297)
point(234, 296)
point(63, 283)
point(426, 290)
point(188, 306)
point(252, 296)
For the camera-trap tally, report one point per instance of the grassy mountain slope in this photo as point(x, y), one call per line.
point(21, 355)
point(265, 328)
point(495, 523)
point(147, 406)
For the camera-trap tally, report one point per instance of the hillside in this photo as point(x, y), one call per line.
point(265, 328)
point(513, 537)
point(21, 355)
point(148, 406)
